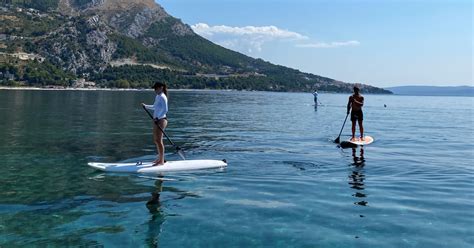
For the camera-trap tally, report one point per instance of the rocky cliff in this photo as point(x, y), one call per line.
point(89, 38)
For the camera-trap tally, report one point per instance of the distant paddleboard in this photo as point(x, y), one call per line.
point(357, 142)
point(169, 166)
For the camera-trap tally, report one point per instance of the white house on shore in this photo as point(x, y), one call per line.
point(24, 56)
point(82, 83)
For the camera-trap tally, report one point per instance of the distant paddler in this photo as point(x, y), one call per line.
point(315, 94)
point(356, 101)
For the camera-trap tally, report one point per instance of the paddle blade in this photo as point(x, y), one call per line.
point(346, 144)
point(337, 140)
point(180, 153)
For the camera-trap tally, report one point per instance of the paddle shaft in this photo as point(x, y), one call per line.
point(338, 137)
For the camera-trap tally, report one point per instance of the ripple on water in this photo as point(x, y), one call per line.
point(287, 183)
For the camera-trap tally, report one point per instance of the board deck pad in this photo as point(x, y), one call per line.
point(147, 167)
point(366, 141)
point(358, 142)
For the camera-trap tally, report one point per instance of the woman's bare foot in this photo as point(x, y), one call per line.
point(353, 139)
point(361, 138)
point(158, 162)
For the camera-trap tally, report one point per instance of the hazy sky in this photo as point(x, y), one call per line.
point(378, 42)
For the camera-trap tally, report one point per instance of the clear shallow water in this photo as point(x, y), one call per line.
point(287, 184)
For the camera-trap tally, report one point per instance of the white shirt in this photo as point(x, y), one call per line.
point(159, 107)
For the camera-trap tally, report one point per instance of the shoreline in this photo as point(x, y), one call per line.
point(119, 89)
point(69, 89)
point(130, 89)
point(98, 89)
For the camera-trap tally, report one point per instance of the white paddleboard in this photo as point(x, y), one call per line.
point(358, 141)
point(148, 167)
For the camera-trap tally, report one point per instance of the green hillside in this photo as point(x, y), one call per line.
point(114, 48)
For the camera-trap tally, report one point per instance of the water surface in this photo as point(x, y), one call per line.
point(287, 183)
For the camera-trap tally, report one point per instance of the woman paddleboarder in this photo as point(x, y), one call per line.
point(160, 108)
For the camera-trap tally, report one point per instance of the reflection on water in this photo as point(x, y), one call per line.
point(357, 177)
point(157, 218)
point(154, 203)
point(286, 184)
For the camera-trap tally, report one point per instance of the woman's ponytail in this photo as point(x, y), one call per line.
point(160, 84)
point(165, 90)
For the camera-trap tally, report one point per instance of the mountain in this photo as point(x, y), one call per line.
point(433, 90)
point(130, 43)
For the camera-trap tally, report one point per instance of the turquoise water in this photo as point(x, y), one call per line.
point(287, 184)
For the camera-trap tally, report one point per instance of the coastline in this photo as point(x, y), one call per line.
point(102, 89)
point(70, 89)
point(130, 89)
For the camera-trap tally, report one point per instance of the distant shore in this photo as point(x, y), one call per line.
point(69, 88)
point(418, 90)
point(97, 89)
point(132, 89)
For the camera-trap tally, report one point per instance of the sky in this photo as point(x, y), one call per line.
point(378, 42)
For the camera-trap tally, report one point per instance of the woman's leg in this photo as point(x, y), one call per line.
point(158, 139)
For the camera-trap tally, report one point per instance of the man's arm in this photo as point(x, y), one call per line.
point(361, 102)
point(349, 104)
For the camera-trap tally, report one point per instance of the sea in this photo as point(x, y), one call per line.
point(287, 183)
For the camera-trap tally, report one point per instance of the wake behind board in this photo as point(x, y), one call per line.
point(169, 166)
point(357, 142)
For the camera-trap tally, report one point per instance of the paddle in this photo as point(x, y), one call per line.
point(338, 137)
point(178, 149)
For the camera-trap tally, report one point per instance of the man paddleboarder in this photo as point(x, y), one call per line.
point(356, 101)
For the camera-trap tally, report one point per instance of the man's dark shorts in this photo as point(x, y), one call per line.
point(357, 115)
